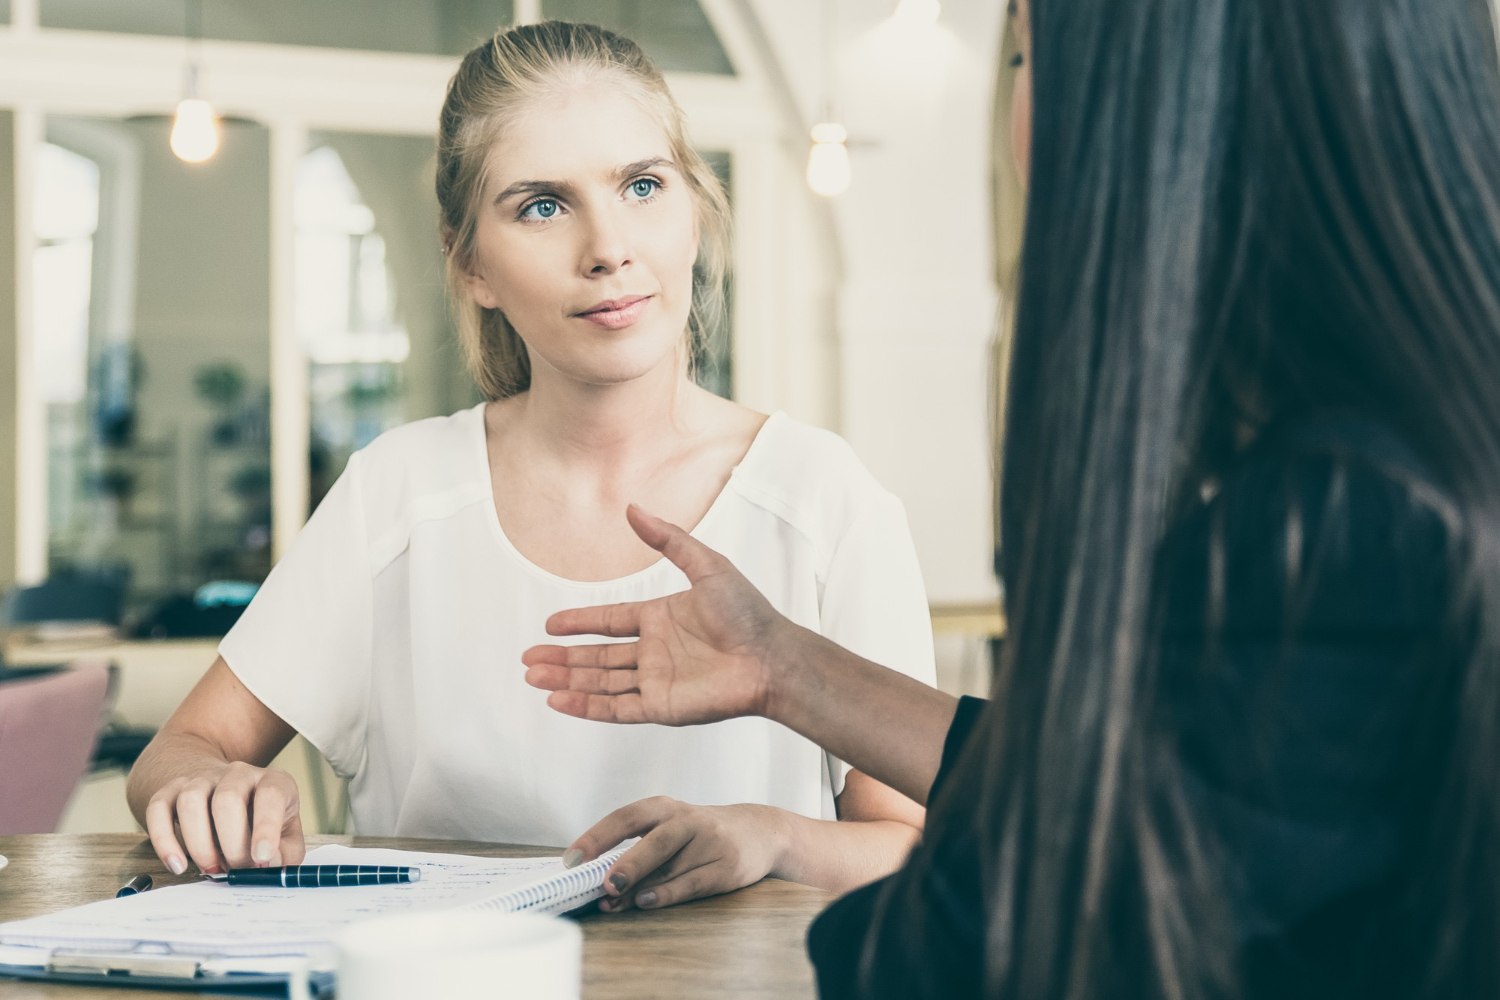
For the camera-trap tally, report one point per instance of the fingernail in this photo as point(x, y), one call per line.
point(176, 865)
point(573, 858)
point(263, 851)
point(619, 882)
point(646, 899)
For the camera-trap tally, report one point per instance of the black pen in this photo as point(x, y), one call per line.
point(316, 876)
point(138, 884)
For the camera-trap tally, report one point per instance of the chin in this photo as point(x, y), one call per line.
point(605, 371)
point(621, 356)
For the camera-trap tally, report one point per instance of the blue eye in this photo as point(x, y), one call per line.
point(645, 187)
point(543, 208)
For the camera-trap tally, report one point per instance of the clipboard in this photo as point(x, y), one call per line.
point(195, 936)
point(196, 973)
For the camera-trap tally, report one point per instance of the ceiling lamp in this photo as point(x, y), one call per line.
point(195, 128)
point(828, 162)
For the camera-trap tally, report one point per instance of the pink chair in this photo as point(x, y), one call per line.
point(48, 728)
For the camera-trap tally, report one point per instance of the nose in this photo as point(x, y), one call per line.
point(607, 249)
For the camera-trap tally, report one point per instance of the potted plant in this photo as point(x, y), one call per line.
point(114, 486)
point(221, 385)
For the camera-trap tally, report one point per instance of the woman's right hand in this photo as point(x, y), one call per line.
point(236, 816)
point(705, 654)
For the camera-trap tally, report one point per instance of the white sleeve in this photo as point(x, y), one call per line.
point(303, 645)
point(874, 603)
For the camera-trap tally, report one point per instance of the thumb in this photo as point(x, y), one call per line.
point(685, 552)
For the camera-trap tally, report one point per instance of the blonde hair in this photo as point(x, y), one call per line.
point(496, 81)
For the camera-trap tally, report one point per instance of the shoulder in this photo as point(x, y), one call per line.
point(437, 449)
point(422, 470)
point(809, 477)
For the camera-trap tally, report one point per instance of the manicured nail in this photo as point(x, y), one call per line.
point(573, 858)
point(619, 882)
point(646, 900)
point(263, 851)
point(176, 865)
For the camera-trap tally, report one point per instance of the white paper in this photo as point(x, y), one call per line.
point(211, 918)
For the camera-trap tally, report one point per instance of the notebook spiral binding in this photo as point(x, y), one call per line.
point(559, 893)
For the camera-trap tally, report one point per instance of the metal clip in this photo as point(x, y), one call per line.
point(86, 963)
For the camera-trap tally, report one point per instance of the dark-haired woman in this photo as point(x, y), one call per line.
point(1246, 733)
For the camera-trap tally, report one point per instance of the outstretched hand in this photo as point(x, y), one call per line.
point(705, 654)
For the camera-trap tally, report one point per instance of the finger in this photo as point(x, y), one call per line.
point(617, 620)
point(589, 680)
point(695, 559)
point(198, 829)
point(692, 855)
point(706, 880)
point(159, 827)
point(654, 850)
point(603, 656)
point(293, 844)
point(270, 803)
point(229, 805)
point(624, 709)
point(625, 822)
point(643, 895)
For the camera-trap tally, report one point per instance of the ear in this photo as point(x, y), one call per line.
point(480, 291)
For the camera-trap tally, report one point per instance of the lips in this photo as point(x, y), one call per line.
point(616, 314)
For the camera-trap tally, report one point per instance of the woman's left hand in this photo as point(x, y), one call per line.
point(686, 851)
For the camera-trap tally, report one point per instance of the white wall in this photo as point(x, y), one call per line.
point(916, 303)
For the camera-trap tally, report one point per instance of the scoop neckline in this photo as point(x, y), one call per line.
point(493, 513)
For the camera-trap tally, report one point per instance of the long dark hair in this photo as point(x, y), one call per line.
point(1240, 212)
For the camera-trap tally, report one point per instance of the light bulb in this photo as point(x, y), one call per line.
point(195, 131)
point(918, 12)
point(828, 163)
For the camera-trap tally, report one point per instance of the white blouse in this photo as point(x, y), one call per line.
point(390, 636)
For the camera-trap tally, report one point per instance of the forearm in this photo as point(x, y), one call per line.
point(840, 855)
point(881, 721)
point(168, 756)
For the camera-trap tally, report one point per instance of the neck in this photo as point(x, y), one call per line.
point(616, 426)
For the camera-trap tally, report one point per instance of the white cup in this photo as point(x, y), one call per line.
point(458, 955)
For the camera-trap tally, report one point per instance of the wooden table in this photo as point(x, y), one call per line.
point(746, 944)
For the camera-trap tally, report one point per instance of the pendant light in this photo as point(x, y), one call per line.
point(828, 172)
point(195, 128)
point(828, 163)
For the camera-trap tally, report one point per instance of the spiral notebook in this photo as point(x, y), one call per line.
point(210, 935)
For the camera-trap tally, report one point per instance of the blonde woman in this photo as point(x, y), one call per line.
point(586, 245)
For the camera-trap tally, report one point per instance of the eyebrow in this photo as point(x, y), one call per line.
point(623, 173)
point(629, 170)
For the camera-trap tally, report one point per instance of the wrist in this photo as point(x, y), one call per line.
point(796, 677)
point(782, 670)
point(777, 834)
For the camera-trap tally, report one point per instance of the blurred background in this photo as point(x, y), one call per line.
point(206, 308)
